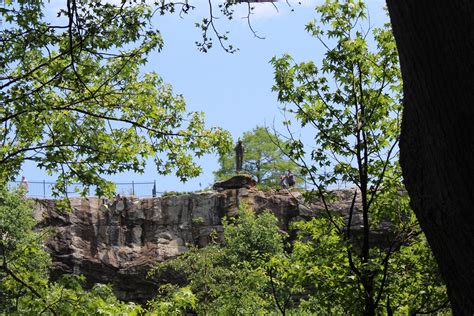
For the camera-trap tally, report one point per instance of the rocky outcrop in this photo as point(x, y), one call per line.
point(118, 241)
point(236, 182)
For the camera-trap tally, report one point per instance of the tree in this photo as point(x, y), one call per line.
point(436, 57)
point(74, 100)
point(352, 101)
point(254, 270)
point(228, 278)
point(319, 264)
point(24, 281)
point(263, 158)
point(24, 263)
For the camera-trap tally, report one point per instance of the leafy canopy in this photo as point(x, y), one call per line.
point(351, 101)
point(254, 270)
point(229, 279)
point(75, 100)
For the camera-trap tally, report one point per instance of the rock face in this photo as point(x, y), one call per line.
point(118, 241)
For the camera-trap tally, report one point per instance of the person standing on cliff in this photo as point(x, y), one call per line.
point(23, 184)
point(239, 156)
point(290, 178)
point(283, 182)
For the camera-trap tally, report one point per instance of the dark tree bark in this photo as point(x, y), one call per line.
point(435, 40)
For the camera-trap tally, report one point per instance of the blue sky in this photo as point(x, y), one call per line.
point(233, 90)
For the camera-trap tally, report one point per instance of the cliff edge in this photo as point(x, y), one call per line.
point(118, 241)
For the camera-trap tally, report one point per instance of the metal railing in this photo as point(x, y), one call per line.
point(44, 189)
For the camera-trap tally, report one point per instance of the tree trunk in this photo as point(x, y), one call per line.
point(435, 40)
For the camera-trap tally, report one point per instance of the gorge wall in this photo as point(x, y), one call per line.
point(117, 242)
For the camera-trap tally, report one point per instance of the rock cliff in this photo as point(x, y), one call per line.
point(118, 241)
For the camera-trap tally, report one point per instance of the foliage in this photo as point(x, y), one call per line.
point(256, 272)
point(253, 272)
point(351, 101)
point(177, 301)
point(22, 256)
point(414, 269)
point(320, 262)
point(314, 276)
point(251, 238)
point(25, 288)
point(263, 159)
point(69, 298)
point(74, 100)
point(230, 279)
point(356, 120)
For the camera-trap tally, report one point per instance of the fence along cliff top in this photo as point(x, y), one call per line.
point(43, 189)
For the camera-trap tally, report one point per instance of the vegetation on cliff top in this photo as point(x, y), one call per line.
point(263, 158)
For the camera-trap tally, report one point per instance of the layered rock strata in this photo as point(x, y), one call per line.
point(118, 241)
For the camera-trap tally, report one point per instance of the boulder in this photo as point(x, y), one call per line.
point(236, 182)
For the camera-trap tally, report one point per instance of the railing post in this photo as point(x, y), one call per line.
point(44, 189)
point(153, 192)
point(133, 188)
